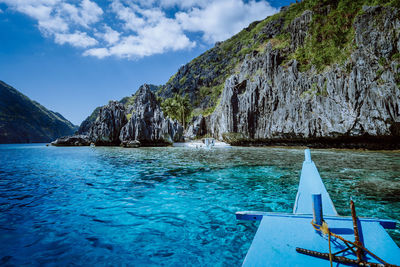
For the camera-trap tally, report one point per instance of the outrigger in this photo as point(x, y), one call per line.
point(316, 235)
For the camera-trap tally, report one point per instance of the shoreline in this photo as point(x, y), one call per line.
point(327, 148)
point(344, 142)
point(219, 144)
point(200, 144)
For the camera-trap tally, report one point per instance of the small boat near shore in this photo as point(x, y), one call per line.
point(206, 143)
point(316, 235)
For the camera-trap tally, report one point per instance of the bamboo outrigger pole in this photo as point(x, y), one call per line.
point(357, 242)
point(356, 247)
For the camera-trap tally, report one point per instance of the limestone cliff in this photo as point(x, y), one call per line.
point(108, 124)
point(140, 121)
point(147, 123)
point(356, 103)
point(323, 73)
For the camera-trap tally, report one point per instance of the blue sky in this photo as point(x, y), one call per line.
point(74, 55)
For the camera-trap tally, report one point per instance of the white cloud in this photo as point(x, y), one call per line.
point(163, 36)
point(97, 52)
point(109, 35)
point(185, 3)
point(85, 14)
point(126, 14)
point(77, 39)
point(52, 25)
point(36, 9)
point(221, 19)
point(135, 29)
point(55, 18)
point(90, 12)
point(148, 32)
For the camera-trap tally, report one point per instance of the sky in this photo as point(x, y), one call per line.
point(74, 55)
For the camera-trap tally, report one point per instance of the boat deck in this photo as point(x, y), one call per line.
point(279, 234)
point(311, 183)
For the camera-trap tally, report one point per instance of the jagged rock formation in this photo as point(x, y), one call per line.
point(75, 140)
point(130, 144)
point(146, 125)
point(107, 127)
point(25, 121)
point(354, 104)
point(301, 76)
point(196, 128)
point(126, 101)
point(88, 122)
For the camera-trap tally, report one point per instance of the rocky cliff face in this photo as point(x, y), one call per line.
point(353, 104)
point(107, 127)
point(126, 101)
point(25, 121)
point(319, 73)
point(88, 122)
point(141, 122)
point(147, 123)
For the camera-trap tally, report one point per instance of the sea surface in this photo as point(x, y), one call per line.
point(110, 206)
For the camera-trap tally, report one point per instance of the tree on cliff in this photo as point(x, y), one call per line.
point(177, 108)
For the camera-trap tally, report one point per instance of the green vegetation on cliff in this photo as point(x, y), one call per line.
point(177, 108)
point(126, 101)
point(130, 100)
point(331, 35)
point(329, 40)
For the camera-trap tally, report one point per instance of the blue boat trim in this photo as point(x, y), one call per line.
point(279, 234)
point(311, 183)
point(258, 215)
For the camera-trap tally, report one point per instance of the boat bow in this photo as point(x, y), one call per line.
point(279, 234)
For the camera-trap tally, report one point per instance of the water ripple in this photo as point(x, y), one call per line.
point(166, 206)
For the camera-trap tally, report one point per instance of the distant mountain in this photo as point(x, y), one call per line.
point(23, 120)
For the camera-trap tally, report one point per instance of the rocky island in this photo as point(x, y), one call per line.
point(138, 122)
point(321, 74)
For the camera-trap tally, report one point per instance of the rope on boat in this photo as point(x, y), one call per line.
point(356, 247)
point(340, 259)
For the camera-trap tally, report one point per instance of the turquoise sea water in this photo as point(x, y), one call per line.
point(167, 206)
